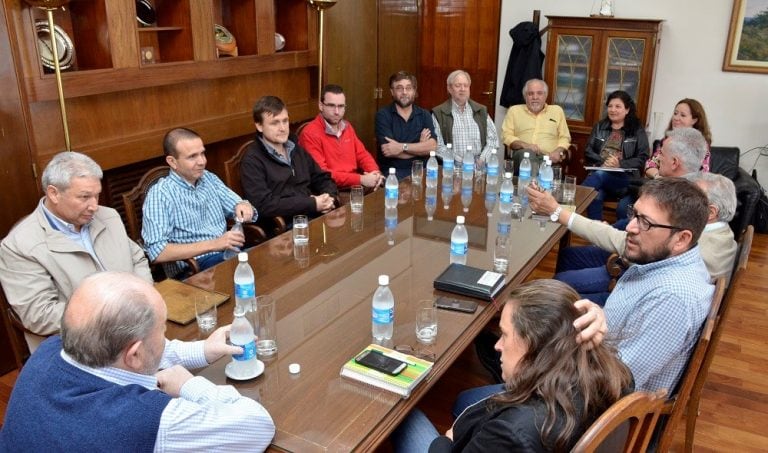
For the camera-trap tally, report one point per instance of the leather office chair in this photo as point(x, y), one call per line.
point(273, 226)
point(15, 329)
point(640, 410)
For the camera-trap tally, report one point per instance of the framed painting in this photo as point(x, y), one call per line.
point(747, 49)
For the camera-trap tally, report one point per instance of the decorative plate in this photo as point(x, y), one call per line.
point(279, 42)
point(64, 46)
point(225, 41)
point(145, 13)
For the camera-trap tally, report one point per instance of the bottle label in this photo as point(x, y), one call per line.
point(383, 315)
point(448, 164)
point(458, 248)
point(525, 173)
point(432, 173)
point(245, 290)
point(390, 223)
point(466, 191)
point(493, 170)
point(432, 199)
point(391, 193)
point(506, 197)
point(503, 228)
point(490, 196)
point(546, 185)
point(249, 352)
point(468, 167)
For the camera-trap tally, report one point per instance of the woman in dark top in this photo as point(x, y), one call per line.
point(554, 387)
point(617, 141)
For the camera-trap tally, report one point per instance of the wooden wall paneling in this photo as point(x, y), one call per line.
point(265, 26)
point(239, 16)
point(292, 20)
point(201, 21)
point(350, 51)
point(123, 37)
point(398, 43)
point(174, 44)
point(91, 27)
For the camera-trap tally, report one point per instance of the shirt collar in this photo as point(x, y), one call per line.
point(59, 224)
point(715, 226)
point(288, 145)
point(329, 129)
point(457, 108)
point(176, 178)
point(114, 375)
point(543, 110)
point(677, 260)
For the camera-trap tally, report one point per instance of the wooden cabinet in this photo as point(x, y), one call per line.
point(590, 57)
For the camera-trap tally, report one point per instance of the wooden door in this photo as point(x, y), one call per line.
point(460, 34)
point(398, 43)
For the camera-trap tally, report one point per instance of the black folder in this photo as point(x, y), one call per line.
point(470, 281)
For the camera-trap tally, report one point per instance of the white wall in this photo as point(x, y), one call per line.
point(693, 40)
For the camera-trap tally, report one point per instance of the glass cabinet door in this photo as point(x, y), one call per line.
point(574, 53)
point(624, 65)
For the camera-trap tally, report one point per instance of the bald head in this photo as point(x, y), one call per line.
point(107, 313)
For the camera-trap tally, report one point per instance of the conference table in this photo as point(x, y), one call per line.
point(324, 309)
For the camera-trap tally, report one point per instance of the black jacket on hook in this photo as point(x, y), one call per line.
point(525, 62)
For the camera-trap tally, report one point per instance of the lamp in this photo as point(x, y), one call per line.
point(320, 6)
point(50, 6)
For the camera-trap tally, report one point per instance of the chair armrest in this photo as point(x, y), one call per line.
point(615, 266)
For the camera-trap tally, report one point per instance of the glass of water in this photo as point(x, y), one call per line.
point(266, 330)
point(300, 229)
point(356, 197)
point(501, 254)
point(417, 171)
point(426, 321)
point(569, 190)
point(205, 312)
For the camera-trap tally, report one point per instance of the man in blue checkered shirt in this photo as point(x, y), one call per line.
point(185, 213)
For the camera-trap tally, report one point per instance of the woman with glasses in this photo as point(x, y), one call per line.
point(554, 387)
point(618, 144)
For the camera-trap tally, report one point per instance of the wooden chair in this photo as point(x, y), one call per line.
point(640, 410)
point(692, 412)
point(273, 226)
point(134, 201)
point(564, 162)
point(16, 330)
point(685, 397)
point(615, 265)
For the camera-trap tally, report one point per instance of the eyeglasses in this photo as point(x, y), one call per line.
point(424, 354)
point(335, 106)
point(400, 88)
point(645, 224)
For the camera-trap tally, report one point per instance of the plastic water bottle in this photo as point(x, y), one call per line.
point(245, 284)
point(468, 164)
point(447, 192)
point(504, 226)
point(448, 160)
point(492, 168)
point(466, 193)
point(546, 175)
point(491, 193)
point(430, 202)
point(244, 364)
point(390, 190)
point(432, 170)
point(506, 194)
point(231, 253)
point(459, 240)
point(390, 224)
point(524, 177)
point(383, 311)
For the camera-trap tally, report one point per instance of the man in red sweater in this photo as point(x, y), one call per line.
point(332, 142)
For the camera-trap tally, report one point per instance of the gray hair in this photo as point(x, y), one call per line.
point(68, 165)
point(452, 76)
point(721, 193)
point(688, 145)
point(125, 316)
point(525, 87)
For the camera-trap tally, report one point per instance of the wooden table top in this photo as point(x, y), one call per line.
point(324, 310)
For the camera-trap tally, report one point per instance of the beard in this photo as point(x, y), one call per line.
point(658, 253)
point(404, 102)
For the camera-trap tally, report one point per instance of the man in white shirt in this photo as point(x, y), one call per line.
point(98, 387)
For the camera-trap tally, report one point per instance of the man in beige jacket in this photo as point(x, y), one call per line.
point(65, 239)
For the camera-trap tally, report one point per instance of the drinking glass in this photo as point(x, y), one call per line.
point(356, 196)
point(417, 172)
point(569, 189)
point(266, 343)
point(300, 229)
point(426, 321)
point(205, 313)
point(301, 254)
point(501, 254)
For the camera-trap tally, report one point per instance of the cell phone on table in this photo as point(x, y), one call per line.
point(464, 306)
point(380, 362)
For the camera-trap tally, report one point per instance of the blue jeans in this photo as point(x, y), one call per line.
point(210, 260)
point(414, 434)
point(583, 268)
point(606, 183)
point(472, 396)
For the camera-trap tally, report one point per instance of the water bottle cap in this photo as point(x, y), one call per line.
point(460, 219)
point(494, 151)
point(432, 154)
point(294, 368)
point(469, 147)
point(383, 280)
point(242, 257)
point(508, 175)
point(526, 154)
point(449, 145)
point(391, 170)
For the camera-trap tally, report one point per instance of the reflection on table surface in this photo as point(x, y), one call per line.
point(324, 310)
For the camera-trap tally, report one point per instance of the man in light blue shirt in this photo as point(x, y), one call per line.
point(185, 213)
point(97, 387)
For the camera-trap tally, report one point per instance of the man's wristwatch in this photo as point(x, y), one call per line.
point(405, 147)
point(555, 216)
